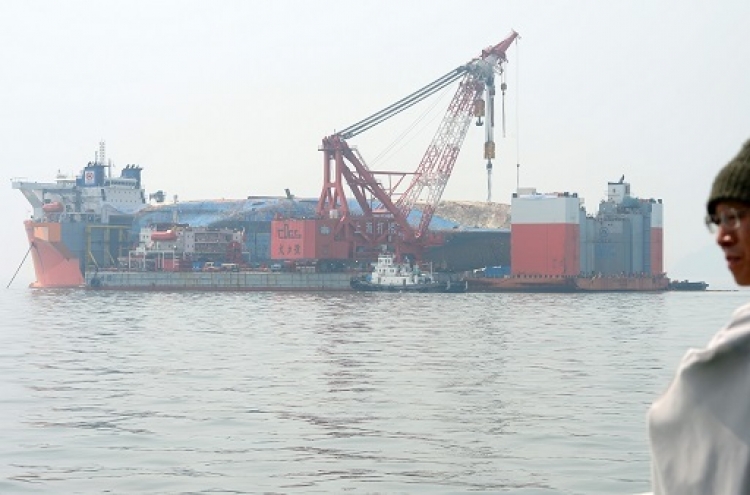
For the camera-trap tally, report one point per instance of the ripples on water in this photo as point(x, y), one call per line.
point(154, 393)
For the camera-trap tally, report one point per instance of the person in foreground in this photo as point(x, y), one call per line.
point(700, 427)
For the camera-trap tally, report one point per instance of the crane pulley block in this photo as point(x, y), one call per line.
point(489, 150)
point(479, 107)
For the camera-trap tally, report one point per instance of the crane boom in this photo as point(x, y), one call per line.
point(437, 163)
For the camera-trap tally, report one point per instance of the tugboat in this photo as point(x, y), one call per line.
point(392, 276)
point(687, 285)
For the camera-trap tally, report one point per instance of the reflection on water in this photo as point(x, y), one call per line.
point(329, 393)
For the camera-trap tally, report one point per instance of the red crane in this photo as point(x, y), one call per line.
point(383, 222)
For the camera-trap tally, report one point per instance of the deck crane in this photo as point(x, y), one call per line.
point(385, 211)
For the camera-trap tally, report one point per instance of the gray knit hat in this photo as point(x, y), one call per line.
point(732, 181)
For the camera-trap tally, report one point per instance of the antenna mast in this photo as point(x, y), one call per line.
point(100, 158)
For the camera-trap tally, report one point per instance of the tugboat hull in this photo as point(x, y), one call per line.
point(446, 287)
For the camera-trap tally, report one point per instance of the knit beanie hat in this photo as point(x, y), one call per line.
point(732, 181)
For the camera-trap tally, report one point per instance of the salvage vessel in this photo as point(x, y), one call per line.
point(101, 230)
point(85, 231)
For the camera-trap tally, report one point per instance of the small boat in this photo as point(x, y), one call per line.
point(687, 285)
point(392, 276)
point(164, 235)
point(53, 207)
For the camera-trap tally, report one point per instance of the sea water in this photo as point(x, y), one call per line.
point(172, 393)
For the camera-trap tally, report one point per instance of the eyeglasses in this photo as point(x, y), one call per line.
point(729, 219)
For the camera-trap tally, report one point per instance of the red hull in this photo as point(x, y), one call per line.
point(623, 284)
point(55, 266)
point(522, 284)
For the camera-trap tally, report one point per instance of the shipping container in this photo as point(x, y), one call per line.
point(293, 239)
point(496, 271)
point(306, 239)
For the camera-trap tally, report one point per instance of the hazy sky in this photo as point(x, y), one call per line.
point(231, 98)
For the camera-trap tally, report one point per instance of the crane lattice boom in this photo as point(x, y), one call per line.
point(437, 163)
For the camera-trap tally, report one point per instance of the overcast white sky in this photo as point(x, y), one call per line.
point(231, 98)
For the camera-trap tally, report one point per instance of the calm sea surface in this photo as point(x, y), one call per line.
point(215, 393)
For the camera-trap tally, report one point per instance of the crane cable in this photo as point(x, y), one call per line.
point(417, 121)
point(403, 103)
point(19, 266)
point(518, 131)
point(503, 87)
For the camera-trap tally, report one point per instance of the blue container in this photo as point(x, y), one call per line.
point(496, 271)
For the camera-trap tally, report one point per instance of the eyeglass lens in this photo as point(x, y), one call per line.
point(729, 219)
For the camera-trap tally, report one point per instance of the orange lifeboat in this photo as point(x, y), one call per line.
point(54, 207)
point(164, 235)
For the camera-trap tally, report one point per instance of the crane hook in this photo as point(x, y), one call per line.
point(479, 110)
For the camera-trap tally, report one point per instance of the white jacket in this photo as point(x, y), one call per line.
point(700, 427)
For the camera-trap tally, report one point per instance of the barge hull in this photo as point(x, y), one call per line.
point(568, 284)
point(219, 281)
